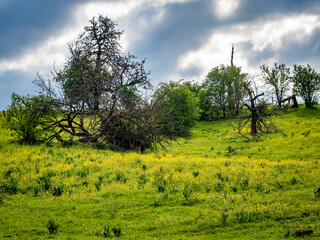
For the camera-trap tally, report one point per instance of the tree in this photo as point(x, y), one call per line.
point(100, 91)
point(28, 118)
point(306, 83)
point(223, 90)
point(98, 86)
point(258, 119)
point(178, 109)
point(278, 78)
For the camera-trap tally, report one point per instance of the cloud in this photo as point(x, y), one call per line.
point(179, 38)
point(256, 43)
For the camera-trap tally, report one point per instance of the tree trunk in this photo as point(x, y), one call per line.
point(295, 102)
point(254, 119)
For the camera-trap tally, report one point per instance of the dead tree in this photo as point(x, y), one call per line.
point(288, 99)
point(258, 119)
point(302, 232)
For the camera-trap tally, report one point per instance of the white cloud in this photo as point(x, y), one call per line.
point(260, 34)
point(54, 50)
point(225, 8)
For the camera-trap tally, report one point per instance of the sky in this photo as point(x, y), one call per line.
point(180, 39)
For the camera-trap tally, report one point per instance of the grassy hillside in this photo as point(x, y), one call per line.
point(195, 190)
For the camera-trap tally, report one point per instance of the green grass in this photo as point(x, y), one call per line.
point(194, 190)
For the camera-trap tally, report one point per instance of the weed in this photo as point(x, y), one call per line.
point(223, 218)
point(36, 190)
point(112, 213)
point(156, 203)
point(85, 183)
point(116, 231)
point(218, 186)
point(187, 192)
point(278, 185)
point(142, 180)
point(106, 231)
point(57, 190)
point(242, 217)
point(98, 185)
point(221, 178)
point(234, 188)
point(52, 226)
point(195, 174)
point(266, 190)
point(245, 183)
point(7, 174)
point(144, 167)
point(287, 232)
point(1, 199)
point(120, 178)
point(227, 163)
point(160, 181)
point(306, 134)
point(293, 181)
point(259, 186)
point(84, 172)
point(46, 181)
point(207, 188)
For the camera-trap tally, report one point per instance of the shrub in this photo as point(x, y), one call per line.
point(10, 187)
point(28, 118)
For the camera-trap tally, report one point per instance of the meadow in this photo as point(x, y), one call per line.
point(213, 185)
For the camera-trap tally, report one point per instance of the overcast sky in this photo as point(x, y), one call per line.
point(180, 39)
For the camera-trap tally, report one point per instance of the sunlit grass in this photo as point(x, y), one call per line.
point(195, 190)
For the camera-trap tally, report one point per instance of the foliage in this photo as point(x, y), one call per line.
point(222, 91)
point(306, 83)
point(98, 91)
point(100, 95)
point(278, 77)
point(29, 117)
point(178, 109)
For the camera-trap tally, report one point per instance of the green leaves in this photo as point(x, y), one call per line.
point(306, 84)
point(29, 117)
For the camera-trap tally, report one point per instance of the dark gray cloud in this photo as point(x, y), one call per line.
point(184, 27)
point(250, 10)
point(26, 23)
point(293, 50)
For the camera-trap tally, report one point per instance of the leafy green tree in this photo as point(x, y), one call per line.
point(223, 90)
point(29, 117)
point(178, 109)
point(306, 83)
point(278, 77)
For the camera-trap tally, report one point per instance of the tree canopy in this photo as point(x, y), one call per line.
point(306, 83)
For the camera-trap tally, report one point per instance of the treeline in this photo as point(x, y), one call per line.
point(103, 95)
point(223, 92)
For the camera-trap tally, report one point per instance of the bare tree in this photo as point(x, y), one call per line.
point(258, 119)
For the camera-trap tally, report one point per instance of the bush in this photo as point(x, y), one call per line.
point(28, 118)
point(178, 109)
